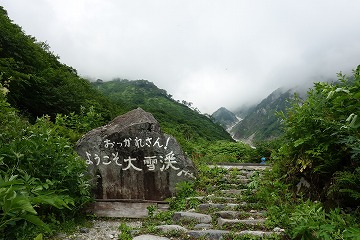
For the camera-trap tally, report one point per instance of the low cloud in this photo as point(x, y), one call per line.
point(211, 53)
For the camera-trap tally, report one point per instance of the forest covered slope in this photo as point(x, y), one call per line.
point(175, 118)
point(39, 84)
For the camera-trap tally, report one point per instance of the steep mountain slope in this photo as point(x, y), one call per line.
point(262, 123)
point(225, 118)
point(39, 84)
point(175, 118)
point(244, 110)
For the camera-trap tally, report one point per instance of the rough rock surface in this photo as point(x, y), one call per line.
point(101, 230)
point(222, 221)
point(150, 237)
point(208, 234)
point(131, 158)
point(168, 228)
point(191, 216)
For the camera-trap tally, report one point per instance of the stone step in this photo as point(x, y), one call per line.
point(233, 222)
point(240, 214)
point(124, 209)
point(249, 167)
point(248, 173)
point(218, 206)
point(150, 237)
point(191, 216)
point(170, 228)
point(200, 198)
point(212, 199)
point(203, 226)
point(233, 191)
point(220, 199)
point(235, 180)
point(228, 186)
point(256, 233)
point(208, 234)
point(211, 234)
point(239, 176)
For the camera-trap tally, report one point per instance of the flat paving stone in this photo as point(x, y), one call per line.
point(203, 226)
point(244, 167)
point(219, 206)
point(150, 237)
point(212, 198)
point(208, 234)
point(233, 191)
point(242, 180)
point(169, 228)
point(206, 206)
point(219, 198)
point(255, 233)
point(228, 214)
point(191, 216)
point(237, 214)
point(121, 209)
point(229, 222)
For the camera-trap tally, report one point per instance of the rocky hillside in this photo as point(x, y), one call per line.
point(225, 118)
point(262, 123)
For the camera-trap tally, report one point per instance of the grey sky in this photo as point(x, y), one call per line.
point(213, 53)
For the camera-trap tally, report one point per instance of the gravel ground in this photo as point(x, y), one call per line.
point(101, 230)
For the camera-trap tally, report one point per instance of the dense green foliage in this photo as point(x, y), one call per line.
point(320, 149)
point(323, 142)
point(225, 151)
point(187, 125)
point(42, 179)
point(39, 173)
point(39, 84)
point(303, 219)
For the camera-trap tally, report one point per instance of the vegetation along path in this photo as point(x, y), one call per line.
point(219, 205)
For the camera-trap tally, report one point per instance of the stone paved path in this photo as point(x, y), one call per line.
point(220, 211)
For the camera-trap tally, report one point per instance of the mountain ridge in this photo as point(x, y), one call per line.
point(260, 121)
point(175, 117)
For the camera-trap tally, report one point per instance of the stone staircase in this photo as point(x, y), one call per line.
point(223, 209)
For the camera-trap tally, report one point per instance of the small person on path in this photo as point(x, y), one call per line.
point(263, 160)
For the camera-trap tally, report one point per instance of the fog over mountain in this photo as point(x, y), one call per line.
point(211, 53)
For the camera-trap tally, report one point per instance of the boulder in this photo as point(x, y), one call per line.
point(131, 158)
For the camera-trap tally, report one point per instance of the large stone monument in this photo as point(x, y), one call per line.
point(131, 158)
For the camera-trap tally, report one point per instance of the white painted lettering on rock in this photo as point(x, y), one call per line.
point(130, 158)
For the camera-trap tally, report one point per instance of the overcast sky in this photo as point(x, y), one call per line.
point(213, 53)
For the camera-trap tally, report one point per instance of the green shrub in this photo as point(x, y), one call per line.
point(183, 190)
point(225, 151)
point(21, 199)
point(86, 120)
point(41, 177)
point(310, 221)
point(125, 232)
point(323, 143)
